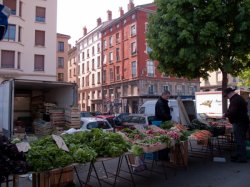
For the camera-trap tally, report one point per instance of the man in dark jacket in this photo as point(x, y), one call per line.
point(238, 117)
point(162, 110)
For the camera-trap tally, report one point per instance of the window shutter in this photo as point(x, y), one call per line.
point(39, 38)
point(8, 59)
point(39, 63)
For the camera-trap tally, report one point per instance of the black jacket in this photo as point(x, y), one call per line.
point(162, 110)
point(237, 111)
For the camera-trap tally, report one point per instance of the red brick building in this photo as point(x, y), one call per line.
point(129, 77)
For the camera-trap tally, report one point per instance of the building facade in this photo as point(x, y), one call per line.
point(129, 76)
point(28, 50)
point(62, 57)
point(89, 66)
point(72, 66)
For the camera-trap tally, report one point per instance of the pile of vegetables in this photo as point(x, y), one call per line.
point(11, 161)
point(83, 147)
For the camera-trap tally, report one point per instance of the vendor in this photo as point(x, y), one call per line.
point(237, 115)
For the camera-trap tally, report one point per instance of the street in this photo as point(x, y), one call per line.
point(199, 173)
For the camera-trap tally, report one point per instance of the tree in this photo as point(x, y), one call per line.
point(245, 77)
point(191, 38)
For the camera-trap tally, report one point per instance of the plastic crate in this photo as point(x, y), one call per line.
point(151, 156)
point(156, 123)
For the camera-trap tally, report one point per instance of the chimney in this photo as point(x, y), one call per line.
point(121, 11)
point(109, 15)
point(84, 31)
point(131, 5)
point(99, 21)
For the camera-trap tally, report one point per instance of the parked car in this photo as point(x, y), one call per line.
point(109, 118)
point(120, 118)
point(138, 119)
point(96, 113)
point(88, 123)
point(85, 114)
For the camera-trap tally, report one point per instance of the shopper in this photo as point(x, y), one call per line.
point(162, 110)
point(237, 115)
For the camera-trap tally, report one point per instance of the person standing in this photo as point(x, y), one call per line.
point(238, 117)
point(162, 110)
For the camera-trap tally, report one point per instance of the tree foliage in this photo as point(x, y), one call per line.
point(245, 77)
point(190, 38)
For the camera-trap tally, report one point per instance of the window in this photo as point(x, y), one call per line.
point(83, 56)
point(110, 41)
point(87, 80)
point(118, 77)
point(104, 59)
point(10, 34)
point(133, 48)
point(133, 30)
point(192, 90)
point(88, 66)
point(150, 68)
point(82, 81)
point(20, 8)
point(60, 46)
point(18, 60)
point(87, 53)
point(60, 61)
point(10, 4)
point(70, 73)
point(104, 44)
point(93, 50)
point(179, 89)
point(98, 78)
point(83, 68)
point(99, 94)
point(117, 37)
point(93, 79)
point(19, 34)
point(39, 63)
point(111, 74)
point(151, 89)
point(93, 64)
point(7, 59)
point(165, 88)
point(98, 61)
point(40, 14)
point(60, 77)
point(110, 57)
point(104, 76)
point(117, 54)
point(134, 70)
point(39, 38)
point(98, 48)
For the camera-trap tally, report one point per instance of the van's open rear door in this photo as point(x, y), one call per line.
point(6, 98)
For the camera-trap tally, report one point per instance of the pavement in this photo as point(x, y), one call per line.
point(200, 172)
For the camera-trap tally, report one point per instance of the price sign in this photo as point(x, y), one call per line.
point(60, 143)
point(23, 147)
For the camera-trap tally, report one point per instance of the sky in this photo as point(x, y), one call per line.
point(73, 15)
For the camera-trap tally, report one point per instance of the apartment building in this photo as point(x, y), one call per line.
point(214, 82)
point(130, 77)
point(62, 56)
point(28, 50)
point(72, 66)
point(90, 75)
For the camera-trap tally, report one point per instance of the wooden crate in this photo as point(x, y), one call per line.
point(179, 154)
point(51, 178)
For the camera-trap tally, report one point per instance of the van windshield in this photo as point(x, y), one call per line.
point(142, 110)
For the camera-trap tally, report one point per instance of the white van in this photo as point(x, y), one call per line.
point(148, 108)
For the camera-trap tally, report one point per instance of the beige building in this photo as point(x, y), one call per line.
point(214, 81)
point(62, 56)
point(72, 65)
point(28, 50)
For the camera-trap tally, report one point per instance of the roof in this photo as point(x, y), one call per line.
point(139, 7)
